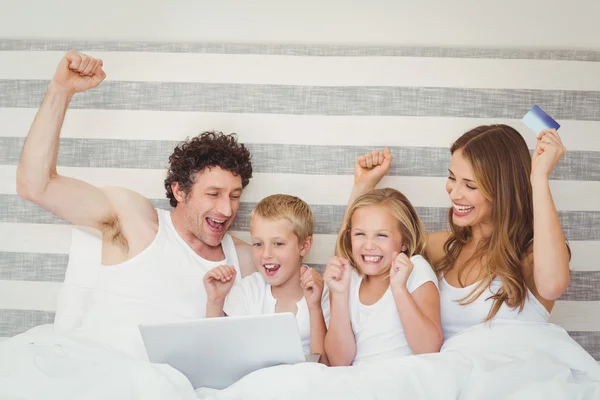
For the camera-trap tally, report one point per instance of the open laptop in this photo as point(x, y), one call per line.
point(216, 352)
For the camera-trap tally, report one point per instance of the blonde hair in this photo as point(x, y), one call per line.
point(290, 208)
point(409, 224)
point(501, 164)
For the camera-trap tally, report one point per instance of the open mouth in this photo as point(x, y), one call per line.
point(216, 224)
point(271, 269)
point(369, 259)
point(461, 210)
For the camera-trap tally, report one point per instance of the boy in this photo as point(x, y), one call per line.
point(281, 227)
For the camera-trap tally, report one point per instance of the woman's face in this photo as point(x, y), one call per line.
point(469, 205)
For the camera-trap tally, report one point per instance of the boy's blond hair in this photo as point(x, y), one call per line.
point(290, 208)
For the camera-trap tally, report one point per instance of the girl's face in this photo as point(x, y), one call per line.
point(375, 237)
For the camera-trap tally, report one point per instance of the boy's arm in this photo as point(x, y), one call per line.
point(218, 283)
point(318, 330)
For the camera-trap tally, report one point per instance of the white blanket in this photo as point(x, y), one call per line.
point(42, 364)
point(505, 360)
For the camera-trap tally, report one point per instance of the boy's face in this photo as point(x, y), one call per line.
point(276, 251)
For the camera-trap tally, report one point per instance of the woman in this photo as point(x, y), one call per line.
point(505, 255)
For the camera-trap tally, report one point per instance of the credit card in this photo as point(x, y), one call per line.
point(537, 120)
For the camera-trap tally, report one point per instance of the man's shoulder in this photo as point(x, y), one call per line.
point(243, 249)
point(132, 225)
point(240, 244)
point(244, 253)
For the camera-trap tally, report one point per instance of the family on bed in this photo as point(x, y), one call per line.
point(390, 290)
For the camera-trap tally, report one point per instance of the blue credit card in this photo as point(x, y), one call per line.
point(537, 120)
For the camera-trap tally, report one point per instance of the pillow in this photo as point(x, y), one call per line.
point(85, 256)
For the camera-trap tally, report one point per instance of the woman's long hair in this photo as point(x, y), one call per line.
point(501, 164)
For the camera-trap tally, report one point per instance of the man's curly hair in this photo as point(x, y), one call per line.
point(209, 149)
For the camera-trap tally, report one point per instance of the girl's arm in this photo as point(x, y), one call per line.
point(420, 310)
point(368, 171)
point(420, 315)
point(340, 345)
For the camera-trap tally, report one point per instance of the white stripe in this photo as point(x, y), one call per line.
point(320, 71)
point(29, 295)
point(56, 239)
point(147, 182)
point(35, 238)
point(585, 255)
point(371, 131)
point(314, 189)
point(2, 338)
point(577, 315)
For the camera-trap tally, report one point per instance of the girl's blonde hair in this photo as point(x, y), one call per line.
point(409, 224)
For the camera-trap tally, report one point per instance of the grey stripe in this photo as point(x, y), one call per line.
point(590, 341)
point(584, 286)
point(48, 267)
point(315, 100)
point(577, 225)
point(33, 266)
point(13, 322)
point(294, 49)
point(299, 159)
point(319, 267)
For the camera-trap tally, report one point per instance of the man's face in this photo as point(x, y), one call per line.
point(212, 203)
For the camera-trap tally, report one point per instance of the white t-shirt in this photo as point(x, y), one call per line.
point(253, 296)
point(377, 328)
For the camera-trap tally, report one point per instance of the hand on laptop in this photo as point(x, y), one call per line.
point(312, 284)
point(218, 282)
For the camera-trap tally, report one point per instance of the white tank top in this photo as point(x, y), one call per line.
point(457, 317)
point(161, 284)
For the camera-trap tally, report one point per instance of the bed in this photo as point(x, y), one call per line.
point(305, 112)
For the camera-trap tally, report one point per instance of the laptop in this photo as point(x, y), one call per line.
point(217, 352)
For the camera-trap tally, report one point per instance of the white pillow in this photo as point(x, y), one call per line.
point(85, 257)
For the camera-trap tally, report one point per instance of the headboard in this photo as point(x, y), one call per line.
point(305, 112)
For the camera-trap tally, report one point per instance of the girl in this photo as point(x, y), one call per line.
point(384, 295)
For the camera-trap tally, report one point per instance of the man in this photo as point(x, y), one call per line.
point(153, 260)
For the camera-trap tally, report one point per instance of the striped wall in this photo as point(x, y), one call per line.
point(305, 112)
